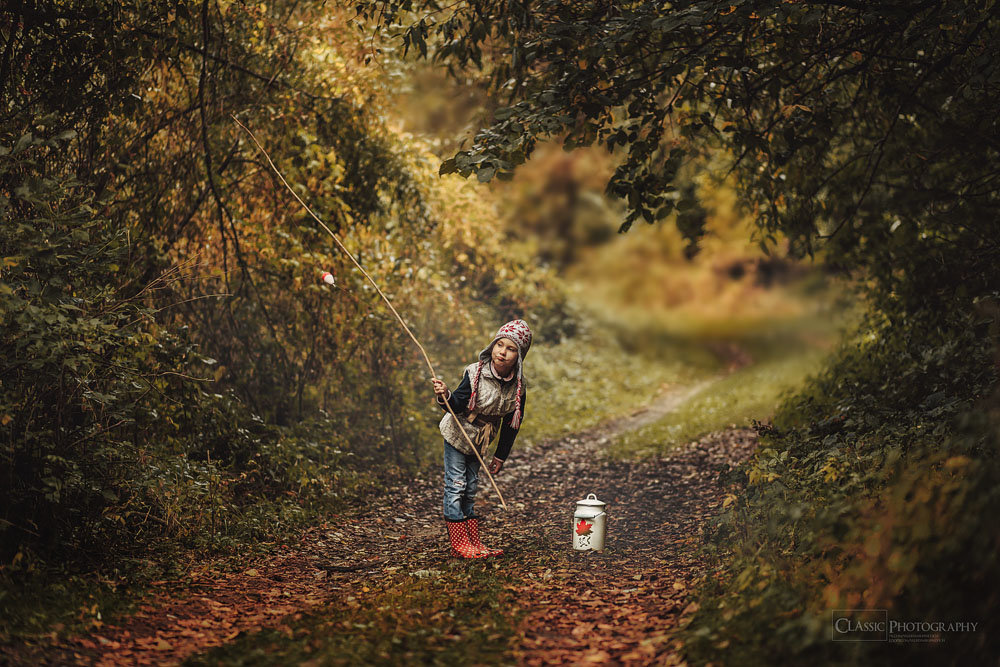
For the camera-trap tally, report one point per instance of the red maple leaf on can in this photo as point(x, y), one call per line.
point(583, 528)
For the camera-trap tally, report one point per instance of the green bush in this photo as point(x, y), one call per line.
point(173, 374)
point(871, 491)
point(81, 368)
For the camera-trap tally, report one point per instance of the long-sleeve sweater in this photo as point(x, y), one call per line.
point(459, 400)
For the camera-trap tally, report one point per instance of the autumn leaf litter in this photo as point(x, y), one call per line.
point(575, 607)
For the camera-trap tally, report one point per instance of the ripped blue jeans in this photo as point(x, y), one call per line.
point(461, 480)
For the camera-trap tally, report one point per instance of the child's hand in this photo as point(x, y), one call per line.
point(495, 465)
point(440, 388)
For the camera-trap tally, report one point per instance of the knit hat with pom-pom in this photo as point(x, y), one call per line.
point(517, 331)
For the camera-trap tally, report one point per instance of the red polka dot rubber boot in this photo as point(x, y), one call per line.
point(473, 526)
point(460, 545)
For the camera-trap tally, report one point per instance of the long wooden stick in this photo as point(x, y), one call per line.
point(384, 298)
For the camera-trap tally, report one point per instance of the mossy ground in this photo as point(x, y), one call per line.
point(460, 614)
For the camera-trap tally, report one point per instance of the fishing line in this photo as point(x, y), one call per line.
point(399, 318)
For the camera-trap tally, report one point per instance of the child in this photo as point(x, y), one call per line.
point(489, 398)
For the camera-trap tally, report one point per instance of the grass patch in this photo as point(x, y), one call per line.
point(460, 614)
point(781, 362)
point(40, 606)
point(598, 375)
point(40, 601)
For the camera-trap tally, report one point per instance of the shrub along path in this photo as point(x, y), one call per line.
point(377, 585)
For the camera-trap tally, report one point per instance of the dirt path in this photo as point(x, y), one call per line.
point(655, 411)
point(619, 605)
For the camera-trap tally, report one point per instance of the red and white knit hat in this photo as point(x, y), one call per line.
point(517, 331)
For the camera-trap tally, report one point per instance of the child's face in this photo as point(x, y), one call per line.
point(504, 355)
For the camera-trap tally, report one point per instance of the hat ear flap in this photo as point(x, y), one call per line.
point(475, 386)
point(515, 421)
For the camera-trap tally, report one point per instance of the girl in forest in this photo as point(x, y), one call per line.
point(489, 398)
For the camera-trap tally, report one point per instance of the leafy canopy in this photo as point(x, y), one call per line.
point(869, 127)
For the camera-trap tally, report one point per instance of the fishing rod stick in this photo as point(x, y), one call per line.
point(384, 298)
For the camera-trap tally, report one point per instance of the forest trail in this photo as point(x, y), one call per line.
point(574, 607)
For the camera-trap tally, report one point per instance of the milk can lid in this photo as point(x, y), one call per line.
point(591, 501)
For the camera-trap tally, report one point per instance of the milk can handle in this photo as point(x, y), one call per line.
point(591, 496)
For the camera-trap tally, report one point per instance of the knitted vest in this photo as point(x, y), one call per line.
point(493, 398)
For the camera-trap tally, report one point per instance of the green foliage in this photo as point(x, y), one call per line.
point(864, 131)
point(173, 372)
point(861, 132)
point(78, 356)
point(868, 493)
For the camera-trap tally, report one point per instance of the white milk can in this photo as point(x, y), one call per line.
point(590, 523)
